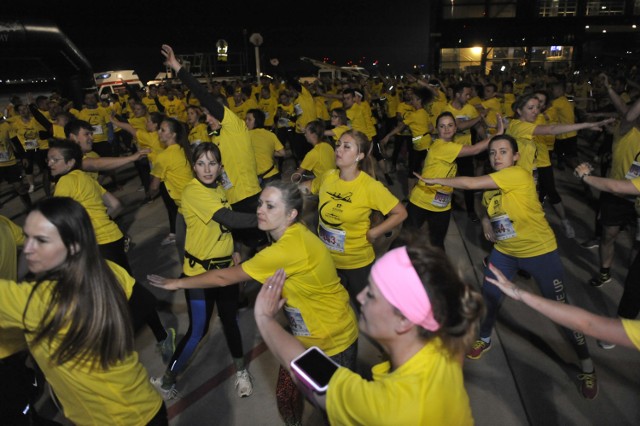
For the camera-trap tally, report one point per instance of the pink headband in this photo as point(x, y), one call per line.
point(400, 284)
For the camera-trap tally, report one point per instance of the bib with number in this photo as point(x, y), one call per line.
point(226, 182)
point(503, 227)
point(298, 109)
point(332, 238)
point(296, 322)
point(634, 171)
point(441, 199)
point(97, 129)
point(5, 156)
point(31, 144)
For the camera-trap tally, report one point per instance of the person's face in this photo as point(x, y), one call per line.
point(284, 99)
point(376, 313)
point(542, 101)
point(464, 96)
point(310, 136)
point(43, 246)
point(138, 110)
point(207, 168)
point(272, 212)
point(150, 125)
point(56, 163)
point(251, 121)
point(446, 128)
point(347, 151)
point(23, 111)
point(415, 102)
point(501, 154)
point(348, 100)
point(489, 92)
point(192, 116)
point(265, 93)
point(529, 112)
point(164, 133)
point(84, 138)
point(90, 100)
point(335, 119)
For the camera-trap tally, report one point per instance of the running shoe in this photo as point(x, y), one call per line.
point(600, 280)
point(244, 383)
point(605, 345)
point(478, 349)
point(594, 243)
point(168, 346)
point(169, 239)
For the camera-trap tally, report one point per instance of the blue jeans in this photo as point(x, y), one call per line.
point(548, 272)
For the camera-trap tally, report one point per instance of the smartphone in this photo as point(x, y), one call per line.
point(314, 369)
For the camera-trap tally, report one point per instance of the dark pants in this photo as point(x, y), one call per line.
point(438, 223)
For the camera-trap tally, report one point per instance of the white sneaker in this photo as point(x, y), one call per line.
point(31, 188)
point(568, 229)
point(244, 384)
point(169, 239)
point(167, 394)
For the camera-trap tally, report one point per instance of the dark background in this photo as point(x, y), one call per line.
point(127, 35)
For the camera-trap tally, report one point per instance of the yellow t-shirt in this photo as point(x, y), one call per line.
point(542, 143)
point(98, 117)
point(305, 109)
point(344, 208)
point(440, 163)
point(92, 154)
point(507, 102)
point(269, 107)
point(418, 122)
point(625, 152)
point(120, 395)
point(338, 131)
point(428, 389)
point(174, 108)
point(265, 143)
point(632, 328)
point(319, 160)
point(7, 158)
point(287, 113)
point(150, 103)
point(150, 140)
point(198, 134)
point(493, 107)
point(206, 238)
point(317, 305)
point(88, 192)
point(28, 133)
point(322, 112)
point(522, 132)
point(466, 113)
point(517, 215)
point(240, 178)
point(566, 115)
point(356, 118)
point(172, 167)
point(552, 115)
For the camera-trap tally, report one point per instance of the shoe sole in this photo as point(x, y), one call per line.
point(597, 284)
point(487, 349)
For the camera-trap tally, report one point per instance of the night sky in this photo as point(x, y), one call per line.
point(123, 35)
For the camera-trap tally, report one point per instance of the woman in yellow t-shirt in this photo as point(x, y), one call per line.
point(198, 129)
point(417, 308)
point(534, 156)
point(432, 203)
point(87, 357)
point(321, 158)
point(208, 246)
point(347, 196)
point(266, 147)
point(522, 239)
point(317, 304)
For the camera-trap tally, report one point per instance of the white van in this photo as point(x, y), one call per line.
point(108, 82)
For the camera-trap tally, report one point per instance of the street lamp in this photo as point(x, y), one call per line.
point(256, 40)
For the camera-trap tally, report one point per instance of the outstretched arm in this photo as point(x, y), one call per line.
point(461, 182)
point(212, 278)
point(572, 317)
point(617, 186)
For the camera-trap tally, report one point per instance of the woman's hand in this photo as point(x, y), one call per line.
point(487, 230)
point(507, 287)
point(269, 300)
point(424, 179)
point(582, 170)
point(598, 125)
point(164, 283)
point(171, 61)
point(500, 124)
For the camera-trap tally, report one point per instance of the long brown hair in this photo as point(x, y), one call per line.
point(87, 312)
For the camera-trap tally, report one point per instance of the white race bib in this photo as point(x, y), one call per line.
point(226, 182)
point(296, 322)
point(441, 199)
point(4, 156)
point(634, 171)
point(31, 144)
point(332, 238)
point(298, 109)
point(97, 129)
point(502, 227)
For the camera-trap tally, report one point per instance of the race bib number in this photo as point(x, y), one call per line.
point(283, 122)
point(97, 129)
point(441, 199)
point(332, 238)
point(502, 227)
point(296, 322)
point(226, 182)
point(634, 171)
point(4, 156)
point(298, 109)
point(31, 144)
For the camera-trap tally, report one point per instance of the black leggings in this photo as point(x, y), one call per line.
point(171, 206)
point(547, 185)
point(438, 223)
point(629, 306)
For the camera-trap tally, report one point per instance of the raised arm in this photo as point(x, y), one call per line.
point(617, 186)
point(102, 164)
point(461, 182)
point(556, 129)
point(212, 278)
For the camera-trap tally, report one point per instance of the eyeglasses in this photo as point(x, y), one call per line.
point(54, 160)
point(335, 116)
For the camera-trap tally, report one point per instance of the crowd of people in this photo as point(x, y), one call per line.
point(237, 166)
